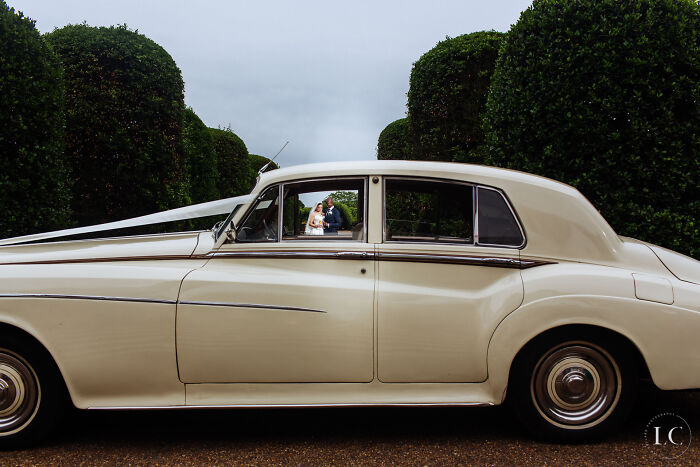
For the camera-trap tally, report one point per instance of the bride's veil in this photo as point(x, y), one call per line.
point(307, 227)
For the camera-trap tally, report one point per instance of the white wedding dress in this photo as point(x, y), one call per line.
point(318, 218)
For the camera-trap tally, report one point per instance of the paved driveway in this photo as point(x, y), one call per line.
point(344, 436)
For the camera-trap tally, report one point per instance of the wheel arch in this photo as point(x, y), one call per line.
point(7, 329)
point(582, 331)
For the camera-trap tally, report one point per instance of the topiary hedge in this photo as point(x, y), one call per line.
point(34, 184)
point(200, 159)
point(124, 111)
point(395, 141)
point(447, 96)
point(602, 94)
point(232, 162)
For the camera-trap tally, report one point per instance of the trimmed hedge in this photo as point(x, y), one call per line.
point(395, 141)
point(232, 162)
point(124, 114)
point(447, 96)
point(200, 159)
point(34, 190)
point(602, 94)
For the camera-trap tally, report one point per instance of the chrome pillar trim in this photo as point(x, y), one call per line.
point(294, 406)
point(249, 305)
point(87, 297)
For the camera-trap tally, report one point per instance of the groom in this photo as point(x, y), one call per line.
point(332, 220)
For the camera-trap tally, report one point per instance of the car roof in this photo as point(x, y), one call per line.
point(559, 222)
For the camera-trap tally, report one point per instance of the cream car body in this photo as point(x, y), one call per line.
point(191, 320)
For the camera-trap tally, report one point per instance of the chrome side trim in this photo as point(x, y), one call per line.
point(87, 297)
point(489, 261)
point(293, 406)
point(250, 305)
point(362, 255)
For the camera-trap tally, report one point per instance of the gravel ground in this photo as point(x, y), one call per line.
point(343, 436)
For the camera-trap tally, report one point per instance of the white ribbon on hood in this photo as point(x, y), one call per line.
point(211, 208)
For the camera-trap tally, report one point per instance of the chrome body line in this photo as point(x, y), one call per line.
point(87, 297)
point(249, 305)
point(292, 406)
point(366, 255)
point(490, 261)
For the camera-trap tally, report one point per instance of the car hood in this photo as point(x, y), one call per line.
point(103, 249)
point(683, 267)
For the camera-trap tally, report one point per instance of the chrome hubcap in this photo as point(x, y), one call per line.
point(18, 392)
point(576, 385)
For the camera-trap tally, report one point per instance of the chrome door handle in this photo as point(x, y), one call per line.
point(351, 255)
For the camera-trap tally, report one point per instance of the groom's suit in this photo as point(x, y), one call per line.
point(333, 219)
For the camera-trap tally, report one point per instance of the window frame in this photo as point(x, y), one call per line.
point(251, 209)
point(512, 212)
point(475, 213)
point(332, 238)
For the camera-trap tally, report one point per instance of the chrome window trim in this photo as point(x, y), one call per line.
point(475, 212)
point(512, 212)
point(364, 178)
point(422, 179)
point(251, 208)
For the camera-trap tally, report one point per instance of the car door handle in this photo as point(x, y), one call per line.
point(352, 255)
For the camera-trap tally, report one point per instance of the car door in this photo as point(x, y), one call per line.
point(441, 290)
point(281, 305)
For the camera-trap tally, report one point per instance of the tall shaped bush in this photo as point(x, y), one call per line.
point(447, 96)
point(124, 116)
point(603, 95)
point(200, 159)
point(34, 191)
point(232, 160)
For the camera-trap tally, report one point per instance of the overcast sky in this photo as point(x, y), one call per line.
point(327, 76)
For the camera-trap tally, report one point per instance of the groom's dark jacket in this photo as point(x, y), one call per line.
point(333, 219)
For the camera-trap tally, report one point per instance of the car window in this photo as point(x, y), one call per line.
point(307, 213)
point(496, 222)
point(431, 211)
point(261, 223)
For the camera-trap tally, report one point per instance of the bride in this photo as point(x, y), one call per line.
point(314, 225)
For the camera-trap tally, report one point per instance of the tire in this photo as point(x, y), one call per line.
point(32, 393)
point(573, 390)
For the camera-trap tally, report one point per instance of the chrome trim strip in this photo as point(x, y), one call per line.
point(250, 305)
point(285, 406)
point(300, 254)
point(491, 261)
point(87, 297)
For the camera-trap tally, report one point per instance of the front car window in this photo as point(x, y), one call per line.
point(428, 211)
point(261, 223)
point(307, 214)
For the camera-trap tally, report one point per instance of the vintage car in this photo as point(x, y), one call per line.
point(446, 284)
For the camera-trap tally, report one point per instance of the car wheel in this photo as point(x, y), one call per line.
point(573, 390)
point(31, 394)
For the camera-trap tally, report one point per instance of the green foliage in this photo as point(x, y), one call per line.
point(124, 113)
point(34, 191)
point(256, 163)
point(395, 141)
point(447, 97)
point(200, 159)
point(346, 216)
point(603, 95)
point(349, 199)
point(233, 163)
